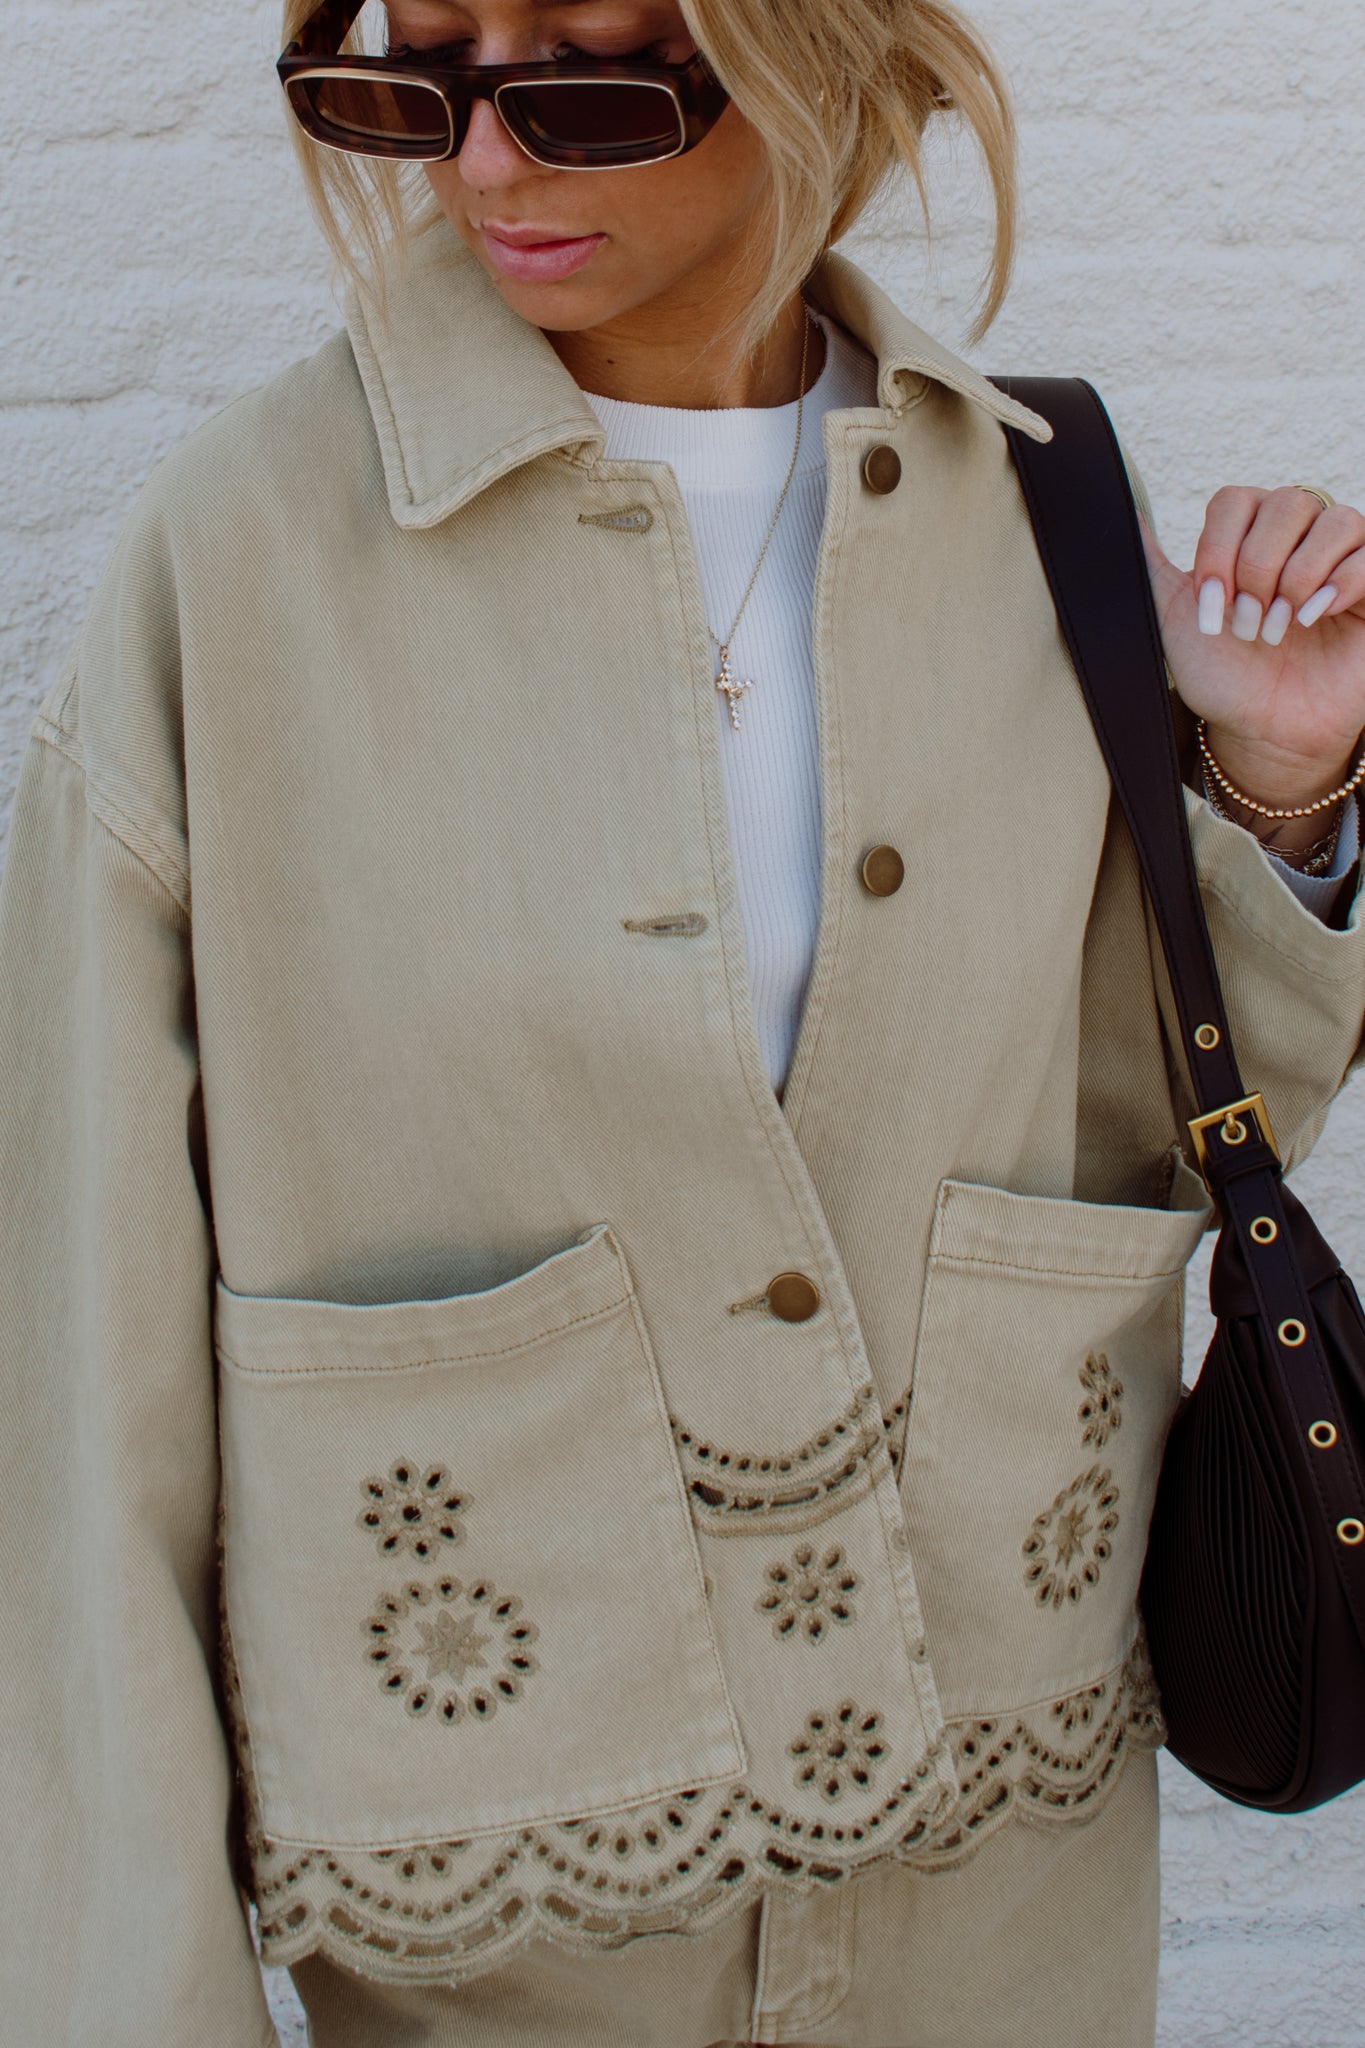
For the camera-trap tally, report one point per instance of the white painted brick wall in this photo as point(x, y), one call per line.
point(1192, 181)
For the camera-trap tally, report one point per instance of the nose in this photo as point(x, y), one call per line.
point(489, 159)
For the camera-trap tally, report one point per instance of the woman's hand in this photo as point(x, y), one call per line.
point(1281, 679)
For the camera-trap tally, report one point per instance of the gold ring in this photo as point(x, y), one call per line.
point(1322, 497)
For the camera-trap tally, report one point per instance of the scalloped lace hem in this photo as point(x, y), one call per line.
point(448, 1911)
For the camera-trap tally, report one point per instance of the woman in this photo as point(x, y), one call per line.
point(413, 1002)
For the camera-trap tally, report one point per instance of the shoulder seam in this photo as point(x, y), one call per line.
point(115, 816)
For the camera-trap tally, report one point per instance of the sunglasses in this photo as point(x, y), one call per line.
point(585, 115)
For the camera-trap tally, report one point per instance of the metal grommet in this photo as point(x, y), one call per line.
point(1208, 1037)
point(1351, 1532)
point(1233, 1131)
point(1265, 1229)
point(1291, 1333)
point(1323, 1436)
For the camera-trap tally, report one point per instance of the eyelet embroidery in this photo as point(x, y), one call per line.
point(446, 1912)
point(1064, 1536)
point(786, 1492)
point(1079, 1710)
point(451, 1645)
point(896, 1425)
point(1101, 1412)
point(417, 1508)
point(807, 1598)
point(426, 1861)
point(838, 1751)
point(1030, 1769)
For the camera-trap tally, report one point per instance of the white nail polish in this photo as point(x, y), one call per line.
point(1277, 622)
point(1212, 604)
point(1246, 617)
point(1318, 603)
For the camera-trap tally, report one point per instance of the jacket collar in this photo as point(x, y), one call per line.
point(451, 420)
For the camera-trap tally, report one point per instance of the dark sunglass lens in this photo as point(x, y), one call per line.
point(586, 120)
point(376, 116)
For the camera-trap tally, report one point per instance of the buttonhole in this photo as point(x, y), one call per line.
point(689, 924)
point(737, 1308)
point(630, 519)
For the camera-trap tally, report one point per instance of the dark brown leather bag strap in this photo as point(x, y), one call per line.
point(1086, 525)
point(1077, 491)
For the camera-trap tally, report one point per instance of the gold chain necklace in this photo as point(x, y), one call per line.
point(727, 680)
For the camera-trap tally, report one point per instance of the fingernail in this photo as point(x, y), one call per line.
point(1277, 621)
point(1212, 604)
point(1321, 601)
point(1246, 617)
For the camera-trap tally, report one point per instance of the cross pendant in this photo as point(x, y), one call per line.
point(733, 689)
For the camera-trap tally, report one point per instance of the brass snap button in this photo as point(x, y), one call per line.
point(883, 871)
point(793, 1298)
point(881, 470)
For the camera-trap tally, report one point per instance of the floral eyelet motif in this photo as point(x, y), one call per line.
point(839, 1751)
point(1069, 1542)
point(1101, 1412)
point(416, 1508)
point(448, 1642)
point(807, 1596)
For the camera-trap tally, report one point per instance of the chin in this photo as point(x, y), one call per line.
point(568, 307)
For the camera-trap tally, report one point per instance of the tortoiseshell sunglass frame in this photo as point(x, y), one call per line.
point(697, 96)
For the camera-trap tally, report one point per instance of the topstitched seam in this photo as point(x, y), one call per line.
point(290, 1372)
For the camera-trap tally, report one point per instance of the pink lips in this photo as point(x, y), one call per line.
point(532, 253)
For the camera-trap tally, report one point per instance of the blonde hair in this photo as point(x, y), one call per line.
point(841, 93)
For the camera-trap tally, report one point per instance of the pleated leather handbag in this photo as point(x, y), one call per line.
point(1254, 1585)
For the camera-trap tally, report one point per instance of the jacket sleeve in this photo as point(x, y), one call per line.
point(124, 1925)
point(1294, 985)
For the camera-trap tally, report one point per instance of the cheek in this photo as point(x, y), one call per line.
point(701, 201)
point(449, 190)
point(720, 181)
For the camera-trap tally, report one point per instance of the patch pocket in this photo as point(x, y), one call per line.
point(1047, 1369)
point(462, 1583)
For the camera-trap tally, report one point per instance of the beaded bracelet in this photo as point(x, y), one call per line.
point(1314, 860)
point(1263, 810)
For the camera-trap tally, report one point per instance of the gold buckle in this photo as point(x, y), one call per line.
point(1234, 1129)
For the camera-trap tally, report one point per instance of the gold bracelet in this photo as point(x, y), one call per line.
point(1312, 860)
point(1249, 803)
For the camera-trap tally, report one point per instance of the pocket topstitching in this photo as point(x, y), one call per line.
point(1046, 1372)
point(462, 1582)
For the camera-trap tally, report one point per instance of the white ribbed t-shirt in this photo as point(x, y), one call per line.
point(729, 465)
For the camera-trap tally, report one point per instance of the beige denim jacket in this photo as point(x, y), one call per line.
point(388, 1156)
